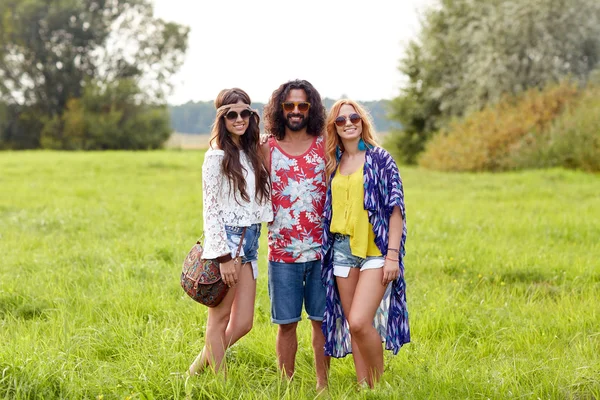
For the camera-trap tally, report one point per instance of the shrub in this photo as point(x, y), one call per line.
point(573, 140)
point(487, 140)
point(108, 117)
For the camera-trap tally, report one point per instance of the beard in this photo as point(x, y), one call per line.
point(296, 126)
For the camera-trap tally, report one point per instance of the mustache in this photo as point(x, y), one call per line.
point(295, 115)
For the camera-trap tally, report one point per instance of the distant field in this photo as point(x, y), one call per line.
point(188, 141)
point(502, 271)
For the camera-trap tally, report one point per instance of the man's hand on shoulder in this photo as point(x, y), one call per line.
point(265, 150)
point(264, 138)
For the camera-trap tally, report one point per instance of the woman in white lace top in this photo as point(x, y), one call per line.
point(236, 195)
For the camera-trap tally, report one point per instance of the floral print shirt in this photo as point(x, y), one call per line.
point(382, 192)
point(298, 196)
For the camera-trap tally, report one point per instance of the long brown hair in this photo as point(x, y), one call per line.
point(273, 113)
point(332, 140)
point(249, 142)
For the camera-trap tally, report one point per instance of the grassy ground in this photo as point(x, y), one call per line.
point(502, 271)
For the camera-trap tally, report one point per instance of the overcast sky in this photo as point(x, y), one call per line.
point(347, 47)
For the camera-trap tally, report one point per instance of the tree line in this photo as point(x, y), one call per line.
point(197, 117)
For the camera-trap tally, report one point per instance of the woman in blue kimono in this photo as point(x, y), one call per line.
point(363, 245)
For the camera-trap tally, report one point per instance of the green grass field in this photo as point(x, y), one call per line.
point(503, 278)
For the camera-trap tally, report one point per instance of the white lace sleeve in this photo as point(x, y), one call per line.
point(215, 238)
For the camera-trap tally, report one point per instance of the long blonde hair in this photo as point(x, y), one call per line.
point(333, 142)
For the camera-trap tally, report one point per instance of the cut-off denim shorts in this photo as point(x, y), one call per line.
point(343, 259)
point(291, 285)
point(249, 250)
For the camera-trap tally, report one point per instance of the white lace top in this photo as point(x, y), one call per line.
point(220, 207)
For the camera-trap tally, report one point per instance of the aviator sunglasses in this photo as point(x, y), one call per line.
point(341, 120)
point(303, 106)
point(233, 115)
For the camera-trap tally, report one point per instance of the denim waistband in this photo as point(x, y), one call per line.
point(239, 229)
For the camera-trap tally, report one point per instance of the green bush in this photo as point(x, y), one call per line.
point(108, 117)
point(573, 141)
point(20, 126)
point(405, 146)
point(419, 118)
point(487, 140)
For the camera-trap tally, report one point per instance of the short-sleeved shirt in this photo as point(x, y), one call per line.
point(298, 196)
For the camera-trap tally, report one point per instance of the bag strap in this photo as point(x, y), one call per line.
point(227, 257)
point(237, 253)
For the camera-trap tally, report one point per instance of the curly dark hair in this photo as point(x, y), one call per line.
point(273, 113)
point(249, 142)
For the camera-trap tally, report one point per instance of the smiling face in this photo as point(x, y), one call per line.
point(237, 126)
point(296, 120)
point(349, 132)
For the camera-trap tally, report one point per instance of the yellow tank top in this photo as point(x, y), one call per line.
point(349, 215)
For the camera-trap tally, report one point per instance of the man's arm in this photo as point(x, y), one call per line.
point(265, 153)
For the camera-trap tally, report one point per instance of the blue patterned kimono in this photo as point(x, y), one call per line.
point(383, 191)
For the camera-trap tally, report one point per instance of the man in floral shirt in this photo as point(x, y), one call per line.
point(295, 119)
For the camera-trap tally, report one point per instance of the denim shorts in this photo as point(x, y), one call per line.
point(292, 284)
point(249, 250)
point(343, 259)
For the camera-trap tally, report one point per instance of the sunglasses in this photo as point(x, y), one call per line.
point(303, 106)
point(233, 115)
point(341, 120)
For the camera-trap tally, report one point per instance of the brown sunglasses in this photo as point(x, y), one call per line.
point(303, 106)
point(341, 120)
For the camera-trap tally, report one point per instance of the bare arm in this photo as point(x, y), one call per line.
point(391, 269)
point(266, 155)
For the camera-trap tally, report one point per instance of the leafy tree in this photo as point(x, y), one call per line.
point(50, 51)
point(108, 117)
point(19, 126)
point(470, 53)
